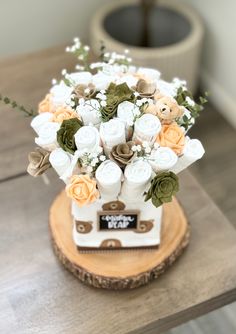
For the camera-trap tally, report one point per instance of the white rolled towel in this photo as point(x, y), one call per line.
point(80, 78)
point(47, 136)
point(89, 112)
point(163, 159)
point(192, 152)
point(137, 177)
point(112, 133)
point(149, 73)
point(72, 168)
point(126, 112)
point(60, 94)
point(130, 80)
point(101, 80)
point(40, 120)
point(108, 176)
point(60, 160)
point(87, 139)
point(146, 128)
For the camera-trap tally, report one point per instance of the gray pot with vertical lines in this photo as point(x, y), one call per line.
point(175, 34)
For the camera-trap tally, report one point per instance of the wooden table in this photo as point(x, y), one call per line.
point(37, 295)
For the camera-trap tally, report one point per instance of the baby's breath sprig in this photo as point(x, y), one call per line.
point(13, 104)
point(143, 150)
point(90, 161)
point(81, 52)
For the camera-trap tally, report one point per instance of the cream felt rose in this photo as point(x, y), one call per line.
point(82, 189)
point(172, 136)
point(63, 113)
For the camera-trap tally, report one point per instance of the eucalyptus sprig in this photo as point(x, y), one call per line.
point(182, 97)
point(14, 105)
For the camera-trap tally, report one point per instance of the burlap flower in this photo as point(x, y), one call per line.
point(167, 109)
point(145, 88)
point(115, 95)
point(122, 154)
point(172, 136)
point(84, 91)
point(38, 161)
point(82, 189)
point(163, 187)
point(65, 135)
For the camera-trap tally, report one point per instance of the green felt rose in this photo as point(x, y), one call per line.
point(115, 95)
point(65, 135)
point(163, 187)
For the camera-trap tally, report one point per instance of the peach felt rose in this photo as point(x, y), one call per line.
point(45, 105)
point(82, 189)
point(172, 136)
point(63, 113)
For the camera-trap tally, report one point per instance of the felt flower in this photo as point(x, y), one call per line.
point(38, 162)
point(123, 154)
point(146, 88)
point(163, 187)
point(85, 91)
point(46, 105)
point(65, 135)
point(115, 95)
point(172, 136)
point(82, 189)
point(63, 113)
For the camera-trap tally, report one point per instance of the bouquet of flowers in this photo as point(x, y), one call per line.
point(112, 130)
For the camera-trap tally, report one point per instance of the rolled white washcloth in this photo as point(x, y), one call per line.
point(101, 80)
point(130, 80)
point(47, 136)
point(89, 112)
point(146, 128)
point(163, 158)
point(137, 177)
point(112, 133)
point(40, 120)
point(149, 73)
point(72, 168)
point(126, 112)
point(60, 160)
point(79, 78)
point(108, 176)
point(60, 94)
point(87, 139)
point(192, 152)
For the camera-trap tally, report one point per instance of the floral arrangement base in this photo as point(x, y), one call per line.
point(124, 269)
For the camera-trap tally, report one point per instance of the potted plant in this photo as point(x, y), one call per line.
point(165, 34)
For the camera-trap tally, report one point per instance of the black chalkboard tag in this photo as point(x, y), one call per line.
point(118, 220)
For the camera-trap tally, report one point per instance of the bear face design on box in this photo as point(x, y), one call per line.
point(117, 225)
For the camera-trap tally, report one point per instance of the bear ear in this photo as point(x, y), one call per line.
point(83, 226)
point(113, 206)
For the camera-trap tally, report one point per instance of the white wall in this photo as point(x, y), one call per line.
point(29, 25)
point(219, 53)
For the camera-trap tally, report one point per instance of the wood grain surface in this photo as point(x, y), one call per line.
point(40, 296)
point(26, 79)
point(37, 295)
point(124, 269)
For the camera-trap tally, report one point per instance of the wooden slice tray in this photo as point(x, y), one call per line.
point(124, 269)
